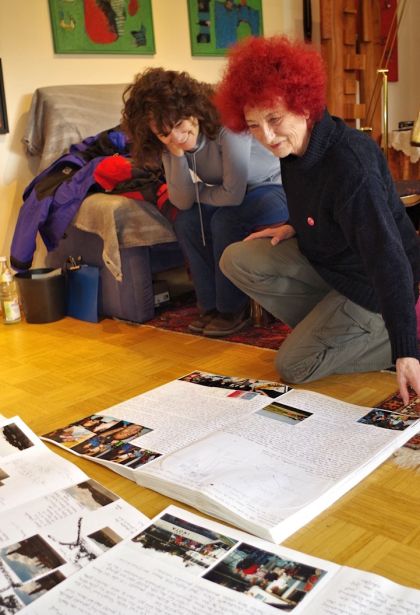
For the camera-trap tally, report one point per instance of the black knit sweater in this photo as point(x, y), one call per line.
point(353, 228)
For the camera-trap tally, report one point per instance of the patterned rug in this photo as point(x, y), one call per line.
point(407, 456)
point(177, 317)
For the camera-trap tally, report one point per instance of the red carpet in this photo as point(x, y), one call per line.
point(177, 318)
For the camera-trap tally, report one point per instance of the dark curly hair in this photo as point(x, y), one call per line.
point(166, 97)
point(260, 71)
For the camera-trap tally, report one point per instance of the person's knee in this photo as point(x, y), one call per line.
point(229, 258)
point(294, 369)
point(290, 373)
point(225, 226)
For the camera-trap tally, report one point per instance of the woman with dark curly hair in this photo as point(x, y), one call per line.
point(344, 272)
point(225, 185)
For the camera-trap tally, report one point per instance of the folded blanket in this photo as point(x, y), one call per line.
point(122, 222)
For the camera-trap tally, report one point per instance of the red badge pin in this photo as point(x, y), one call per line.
point(310, 221)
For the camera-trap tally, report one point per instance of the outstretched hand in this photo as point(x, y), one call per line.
point(277, 233)
point(408, 374)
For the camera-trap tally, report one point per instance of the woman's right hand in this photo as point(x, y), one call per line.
point(408, 374)
point(277, 233)
point(181, 138)
point(174, 149)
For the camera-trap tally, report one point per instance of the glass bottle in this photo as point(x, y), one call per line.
point(9, 297)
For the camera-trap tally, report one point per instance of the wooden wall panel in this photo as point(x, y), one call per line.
point(351, 45)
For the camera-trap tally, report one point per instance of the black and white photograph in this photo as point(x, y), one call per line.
point(12, 440)
point(183, 543)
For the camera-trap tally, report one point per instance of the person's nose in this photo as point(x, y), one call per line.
point(268, 134)
point(179, 134)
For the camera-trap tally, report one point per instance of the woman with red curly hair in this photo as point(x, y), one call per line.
point(344, 271)
point(225, 185)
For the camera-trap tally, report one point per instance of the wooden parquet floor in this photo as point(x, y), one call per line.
point(57, 372)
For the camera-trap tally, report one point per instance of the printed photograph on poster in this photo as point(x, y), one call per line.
point(4, 126)
point(88, 26)
point(216, 24)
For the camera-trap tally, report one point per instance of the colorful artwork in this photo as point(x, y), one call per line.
point(102, 26)
point(217, 24)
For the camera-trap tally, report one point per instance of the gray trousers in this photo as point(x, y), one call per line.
point(331, 334)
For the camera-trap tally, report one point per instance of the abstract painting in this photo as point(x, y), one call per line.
point(216, 24)
point(102, 26)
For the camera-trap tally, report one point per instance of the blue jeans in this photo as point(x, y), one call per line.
point(262, 206)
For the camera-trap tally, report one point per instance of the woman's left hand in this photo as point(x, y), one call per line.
point(408, 374)
point(277, 233)
point(174, 149)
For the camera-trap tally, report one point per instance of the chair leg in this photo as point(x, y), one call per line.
point(260, 317)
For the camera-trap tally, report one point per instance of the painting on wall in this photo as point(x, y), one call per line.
point(4, 126)
point(102, 26)
point(217, 24)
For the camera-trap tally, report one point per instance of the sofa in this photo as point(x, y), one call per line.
point(130, 241)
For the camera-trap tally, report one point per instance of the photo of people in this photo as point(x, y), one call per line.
point(12, 439)
point(69, 436)
point(389, 420)
point(111, 429)
point(270, 389)
point(283, 413)
point(98, 423)
point(92, 447)
point(182, 542)
point(105, 441)
point(129, 455)
point(123, 432)
point(267, 577)
point(263, 387)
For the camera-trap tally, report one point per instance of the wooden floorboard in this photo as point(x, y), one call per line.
point(57, 372)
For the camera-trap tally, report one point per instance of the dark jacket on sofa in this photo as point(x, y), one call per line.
point(53, 198)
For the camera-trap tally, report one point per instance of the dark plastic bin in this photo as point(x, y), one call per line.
point(43, 297)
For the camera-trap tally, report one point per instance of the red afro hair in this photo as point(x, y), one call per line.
point(262, 70)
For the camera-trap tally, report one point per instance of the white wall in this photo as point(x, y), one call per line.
point(29, 62)
point(404, 95)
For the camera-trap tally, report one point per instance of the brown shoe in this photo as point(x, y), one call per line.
point(227, 323)
point(199, 324)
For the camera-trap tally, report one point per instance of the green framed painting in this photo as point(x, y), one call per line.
point(216, 24)
point(102, 26)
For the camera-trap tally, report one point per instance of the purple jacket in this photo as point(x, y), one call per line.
point(53, 198)
point(51, 201)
